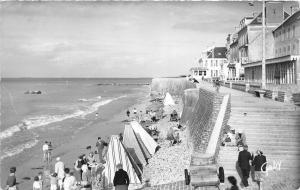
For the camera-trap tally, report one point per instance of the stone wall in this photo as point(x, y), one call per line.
point(200, 115)
point(175, 86)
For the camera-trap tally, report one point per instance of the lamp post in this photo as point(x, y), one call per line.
point(263, 61)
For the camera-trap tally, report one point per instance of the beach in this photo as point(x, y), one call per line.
point(71, 136)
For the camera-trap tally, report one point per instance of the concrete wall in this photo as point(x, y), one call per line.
point(175, 86)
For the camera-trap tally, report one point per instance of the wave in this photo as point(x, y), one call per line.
point(38, 121)
point(18, 149)
point(90, 100)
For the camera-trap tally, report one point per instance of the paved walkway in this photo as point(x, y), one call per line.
point(272, 126)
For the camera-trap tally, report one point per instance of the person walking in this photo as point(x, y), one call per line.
point(121, 179)
point(59, 169)
point(11, 182)
point(45, 151)
point(259, 163)
point(244, 163)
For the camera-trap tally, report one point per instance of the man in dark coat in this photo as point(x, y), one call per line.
point(243, 162)
point(121, 179)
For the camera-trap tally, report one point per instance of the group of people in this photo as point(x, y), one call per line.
point(246, 159)
point(232, 138)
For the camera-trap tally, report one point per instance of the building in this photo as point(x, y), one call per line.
point(284, 68)
point(250, 41)
point(235, 70)
point(212, 64)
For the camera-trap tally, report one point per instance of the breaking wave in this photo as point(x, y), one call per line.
point(42, 120)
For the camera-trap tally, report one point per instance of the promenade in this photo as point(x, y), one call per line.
point(269, 125)
point(274, 128)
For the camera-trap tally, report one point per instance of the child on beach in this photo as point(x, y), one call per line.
point(36, 184)
point(53, 181)
point(40, 176)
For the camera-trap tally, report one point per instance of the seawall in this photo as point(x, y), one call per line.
point(205, 116)
point(175, 86)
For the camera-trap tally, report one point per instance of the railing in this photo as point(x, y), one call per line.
point(235, 79)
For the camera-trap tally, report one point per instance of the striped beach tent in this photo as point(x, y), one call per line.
point(132, 145)
point(116, 154)
point(148, 141)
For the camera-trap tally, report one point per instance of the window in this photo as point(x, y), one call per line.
point(212, 74)
point(204, 73)
point(288, 33)
point(294, 47)
point(211, 63)
point(284, 50)
point(288, 48)
point(294, 31)
point(279, 50)
point(216, 73)
point(283, 35)
point(276, 52)
point(279, 35)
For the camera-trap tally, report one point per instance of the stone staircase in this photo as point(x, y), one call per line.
point(274, 127)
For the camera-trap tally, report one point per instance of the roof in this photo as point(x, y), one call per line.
point(217, 52)
point(296, 15)
point(116, 154)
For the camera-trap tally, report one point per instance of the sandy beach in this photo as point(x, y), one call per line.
point(68, 145)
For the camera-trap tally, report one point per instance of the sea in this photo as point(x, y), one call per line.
point(62, 107)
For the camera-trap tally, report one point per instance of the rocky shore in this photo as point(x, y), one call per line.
point(168, 163)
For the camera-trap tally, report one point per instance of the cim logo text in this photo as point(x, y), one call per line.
point(271, 166)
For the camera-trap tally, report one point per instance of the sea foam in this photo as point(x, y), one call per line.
point(42, 120)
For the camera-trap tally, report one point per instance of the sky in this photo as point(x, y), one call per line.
point(112, 39)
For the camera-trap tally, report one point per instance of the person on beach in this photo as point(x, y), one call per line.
point(40, 176)
point(121, 137)
point(69, 180)
point(170, 135)
point(11, 182)
point(121, 179)
point(128, 113)
point(100, 146)
point(53, 181)
point(86, 175)
point(134, 111)
point(91, 159)
point(50, 148)
point(59, 168)
point(36, 184)
point(45, 151)
point(243, 161)
point(77, 166)
point(233, 183)
point(259, 163)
